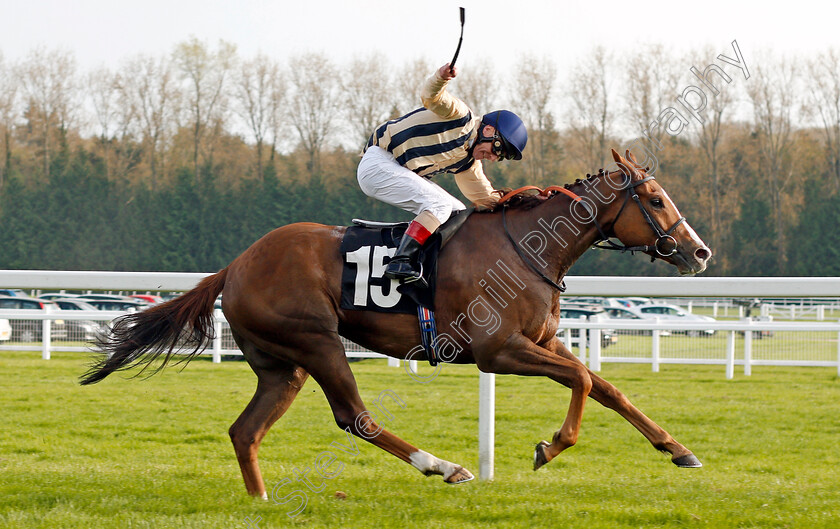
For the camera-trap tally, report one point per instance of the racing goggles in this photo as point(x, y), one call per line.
point(498, 145)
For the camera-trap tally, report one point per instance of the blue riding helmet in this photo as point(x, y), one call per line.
point(511, 130)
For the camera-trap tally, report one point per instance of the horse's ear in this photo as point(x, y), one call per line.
point(625, 166)
point(629, 156)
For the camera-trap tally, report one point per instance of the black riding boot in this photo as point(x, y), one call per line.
point(404, 265)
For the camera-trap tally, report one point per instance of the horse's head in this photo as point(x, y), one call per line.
point(649, 221)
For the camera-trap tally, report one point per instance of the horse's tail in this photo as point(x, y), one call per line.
point(140, 338)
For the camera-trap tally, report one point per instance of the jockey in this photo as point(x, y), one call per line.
point(444, 136)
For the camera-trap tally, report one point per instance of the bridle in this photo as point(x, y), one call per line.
point(664, 238)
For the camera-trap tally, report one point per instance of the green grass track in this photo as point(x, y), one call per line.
point(155, 453)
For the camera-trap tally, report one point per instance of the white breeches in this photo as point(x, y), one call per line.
point(381, 177)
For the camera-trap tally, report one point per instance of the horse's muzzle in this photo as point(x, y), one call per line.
point(693, 262)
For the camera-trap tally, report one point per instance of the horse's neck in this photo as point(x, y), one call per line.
point(571, 232)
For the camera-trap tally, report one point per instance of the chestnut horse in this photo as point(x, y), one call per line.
point(281, 298)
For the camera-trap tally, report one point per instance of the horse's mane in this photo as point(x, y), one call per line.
point(526, 201)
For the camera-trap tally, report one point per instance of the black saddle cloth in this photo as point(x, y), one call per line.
point(367, 250)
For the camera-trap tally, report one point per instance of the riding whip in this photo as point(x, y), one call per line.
point(460, 40)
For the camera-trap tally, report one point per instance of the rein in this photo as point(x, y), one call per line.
point(664, 237)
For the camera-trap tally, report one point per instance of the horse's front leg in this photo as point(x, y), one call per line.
point(521, 356)
point(610, 397)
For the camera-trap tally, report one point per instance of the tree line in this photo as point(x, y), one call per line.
point(179, 162)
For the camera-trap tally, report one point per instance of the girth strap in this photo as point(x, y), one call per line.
point(428, 333)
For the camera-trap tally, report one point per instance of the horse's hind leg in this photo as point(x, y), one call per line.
point(336, 379)
point(277, 387)
point(610, 397)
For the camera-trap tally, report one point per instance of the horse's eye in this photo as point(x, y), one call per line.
point(657, 203)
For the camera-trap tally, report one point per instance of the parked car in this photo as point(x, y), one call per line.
point(169, 296)
point(31, 330)
point(627, 302)
point(148, 298)
point(636, 301)
point(628, 313)
point(585, 300)
point(667, 312)
point(116, 304)
point(16, 292)
point(616, 302)
point(5, 330)
point(85, 330)
point(576, 311)
point(107, 297)
point(56, 295)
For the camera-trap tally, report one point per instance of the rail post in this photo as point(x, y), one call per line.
point(583, 336)
point(46, 328)
point(838, 353)
point(217, 336)
point(654, 341)
point(595, 349)
point(747, 349)
point(730, 355)
point(486, 424)
point(567, 339)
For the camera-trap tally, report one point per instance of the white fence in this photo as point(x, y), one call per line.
point(591, 348)
point(657, 352)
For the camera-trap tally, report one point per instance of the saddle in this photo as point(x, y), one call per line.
point(446, 231)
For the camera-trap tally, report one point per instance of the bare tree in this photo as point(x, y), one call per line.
point(409, 82)
point(278, 117)
point(114, 113)
point(710, 135)
point(773, 96)
point(366, 88)
point(823, 106)
point(205, 73)
point(478, 86)
point(49, 82)
point(259, 91)
point(651, 80)
point(533, 90)
point(591, 115)
point(314, 103)
point(9, 112)
point(148, 87)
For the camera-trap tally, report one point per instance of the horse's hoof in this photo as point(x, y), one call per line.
point(461, 475)
point(687, 461)
point(540, 458)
